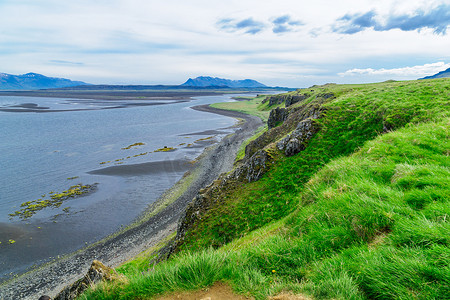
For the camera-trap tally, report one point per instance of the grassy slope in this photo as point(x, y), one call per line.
point(357, 215)
point(252, 107)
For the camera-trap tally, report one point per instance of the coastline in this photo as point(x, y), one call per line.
point(111, 95)
point(159, 221)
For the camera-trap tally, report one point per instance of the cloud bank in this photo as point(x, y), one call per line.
point(285, 43)
point(249, 25)
point(281, 24)
point(437, 19)
point(285, 24)
point(423, 70)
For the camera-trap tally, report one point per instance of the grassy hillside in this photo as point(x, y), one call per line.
point(361, 213)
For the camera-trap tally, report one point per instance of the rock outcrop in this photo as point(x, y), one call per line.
point(296, 141)
point(277, 116)
point(97, 272)
point(294, 99)
point(296, 126)
point(254, 168)
point(288, 99)
point(210, 196)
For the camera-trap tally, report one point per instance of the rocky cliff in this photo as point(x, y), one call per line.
point(290, 129)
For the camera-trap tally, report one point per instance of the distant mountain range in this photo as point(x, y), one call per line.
point(34, 81)
point(206, 81)
point(443, 74)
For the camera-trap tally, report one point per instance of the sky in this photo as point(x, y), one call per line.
point(291, 43)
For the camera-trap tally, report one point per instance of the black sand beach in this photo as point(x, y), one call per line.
point(113, 94)
point(158, 223)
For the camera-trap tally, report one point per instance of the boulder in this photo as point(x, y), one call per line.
point(97, 272)
point(293, 147)
point(296, 141)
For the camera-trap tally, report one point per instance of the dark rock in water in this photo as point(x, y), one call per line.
point(277, 116)
point(97, 272)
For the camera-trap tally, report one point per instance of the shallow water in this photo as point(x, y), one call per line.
point(40, 151)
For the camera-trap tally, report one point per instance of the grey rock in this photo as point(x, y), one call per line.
point(283, 142)
point(293, 147)
point(288, 99)
point(253, 169)
point(295, 99)
point(96, 273)
point(277, 116)
point(258, 165)
point(296, 141)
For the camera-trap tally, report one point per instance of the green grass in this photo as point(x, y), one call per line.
point(251, 107)
point(241, 152)
point(362, 213)
point(140, 263)
point(350, 120)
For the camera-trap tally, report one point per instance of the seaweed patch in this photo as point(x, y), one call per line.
point(204, 139)
point(133, 145)
point(166, 149)
point(30, 208)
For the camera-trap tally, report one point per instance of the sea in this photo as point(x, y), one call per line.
point(48, 145)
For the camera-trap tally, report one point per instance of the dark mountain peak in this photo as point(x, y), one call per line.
point(208, 81)
point(443, 74)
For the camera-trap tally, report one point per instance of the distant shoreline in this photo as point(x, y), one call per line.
point(117, 94)
point(151, 229)
point(112, 95)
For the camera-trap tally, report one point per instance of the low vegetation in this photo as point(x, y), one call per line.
point(165, 149)
point(252, 107)
point(55, 200)
point(133, 145)
point(361, 213)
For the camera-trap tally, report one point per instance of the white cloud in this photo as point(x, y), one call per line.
point(423, 70)
point(141, 41)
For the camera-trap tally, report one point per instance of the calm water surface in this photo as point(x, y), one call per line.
point(40, 151)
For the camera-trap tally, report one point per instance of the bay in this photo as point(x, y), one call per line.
point(75, 143)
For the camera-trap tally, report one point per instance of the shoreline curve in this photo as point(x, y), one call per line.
point(156, 224)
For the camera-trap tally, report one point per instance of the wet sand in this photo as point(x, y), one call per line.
point(154, 167)
point(151, 228)
point(206, 132)
point(33, 107)
point(113, 94)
